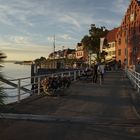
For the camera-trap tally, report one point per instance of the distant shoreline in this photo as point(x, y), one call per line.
point(19, 62)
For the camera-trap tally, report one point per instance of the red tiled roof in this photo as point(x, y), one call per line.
point(111, 36)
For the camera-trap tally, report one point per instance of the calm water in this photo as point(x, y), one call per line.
point(14, 71)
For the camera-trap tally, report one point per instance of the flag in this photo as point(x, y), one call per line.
point(101, 44)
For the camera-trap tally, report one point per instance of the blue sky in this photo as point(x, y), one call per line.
point(27, 27)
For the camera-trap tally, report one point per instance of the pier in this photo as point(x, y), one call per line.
point(107, 111)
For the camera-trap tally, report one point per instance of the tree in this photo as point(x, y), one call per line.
point(92, 41)
point(2, 56)
point(40, 61)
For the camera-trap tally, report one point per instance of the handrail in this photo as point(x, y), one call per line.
point(134, 78)
point(30, 88)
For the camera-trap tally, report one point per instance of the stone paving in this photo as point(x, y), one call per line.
point(88, 111)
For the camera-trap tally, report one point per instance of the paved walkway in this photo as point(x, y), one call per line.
point(89, 111)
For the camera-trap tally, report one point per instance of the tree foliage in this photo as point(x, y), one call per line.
point(92, 41)
point(40, 61)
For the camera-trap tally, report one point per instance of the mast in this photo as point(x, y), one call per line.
point(54, 52)
point(54, 44)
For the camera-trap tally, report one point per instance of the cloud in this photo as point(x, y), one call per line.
point(69, 20)
point(50, 39)
point(26, 52)
point(65, 37)
point(4, 18)
point(16, 11)
point(19, 40)
point(21, 43)
point(29, 25)
point(120, 6)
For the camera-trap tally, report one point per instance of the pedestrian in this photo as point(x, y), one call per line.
point(95, 73)
point(101, 70)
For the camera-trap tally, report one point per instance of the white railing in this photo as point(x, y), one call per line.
point(24, 87)
point(134, 77)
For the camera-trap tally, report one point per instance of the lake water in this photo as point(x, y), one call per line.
point(14, 71)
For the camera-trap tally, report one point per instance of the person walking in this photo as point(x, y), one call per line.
point(101, 69)
point(95, 73)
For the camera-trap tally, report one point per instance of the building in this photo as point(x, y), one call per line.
point(128, 35)
point(111, 48)
point(79, 51)
point(66, 53)
point(81, 55)
point(61, 59)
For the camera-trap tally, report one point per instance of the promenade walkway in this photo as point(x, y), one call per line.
point(88, 112)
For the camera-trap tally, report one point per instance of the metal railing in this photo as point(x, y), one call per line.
point(23, 87)
point(134, 77)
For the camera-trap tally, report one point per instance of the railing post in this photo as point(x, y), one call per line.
point(33, 85)
point(132, 77)
point(62, 74)
point(79, 73)
point(138, 83)
point(18, 88)
point(38, 82)
point(69, 74)
point(135, 80)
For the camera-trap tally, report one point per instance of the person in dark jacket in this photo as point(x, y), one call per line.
point(95, 73)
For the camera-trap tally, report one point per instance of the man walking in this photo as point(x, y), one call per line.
point(95, 73)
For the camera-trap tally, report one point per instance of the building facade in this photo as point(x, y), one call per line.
point(80, 52)
point(111, 48)
point(128, 35)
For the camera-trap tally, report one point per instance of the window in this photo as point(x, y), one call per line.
point(113, 52)
point(125, 51)
point(119, 41)
point(119, 52)
point(113, 45)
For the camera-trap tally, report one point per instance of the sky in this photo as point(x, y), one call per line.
point(27, 27)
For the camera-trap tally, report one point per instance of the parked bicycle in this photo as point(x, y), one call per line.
point(55, 85)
